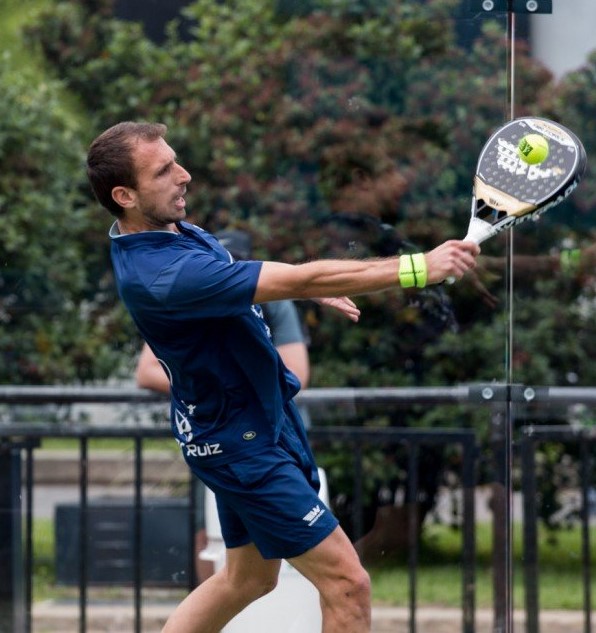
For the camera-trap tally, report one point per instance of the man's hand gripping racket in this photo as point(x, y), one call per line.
point(526, 167)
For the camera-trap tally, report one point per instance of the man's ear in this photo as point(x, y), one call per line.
point(124, 196)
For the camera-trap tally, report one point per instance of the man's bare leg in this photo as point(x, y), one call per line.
point(245, 577)
point(334, 568)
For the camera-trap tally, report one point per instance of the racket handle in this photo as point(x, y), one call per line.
point(479, 230)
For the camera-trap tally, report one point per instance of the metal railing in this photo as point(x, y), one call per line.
point(22, 439)
point(585, 441)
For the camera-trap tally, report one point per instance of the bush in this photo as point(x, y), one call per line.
point(53, 309)
point(264, 92)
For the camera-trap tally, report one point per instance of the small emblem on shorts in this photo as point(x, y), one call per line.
point(249, 435)
point(314, 515)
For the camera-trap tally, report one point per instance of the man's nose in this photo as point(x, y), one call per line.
point(184, 177)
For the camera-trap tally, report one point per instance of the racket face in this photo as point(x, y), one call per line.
point(507, 190)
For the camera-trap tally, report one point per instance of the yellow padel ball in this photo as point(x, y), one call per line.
point(533, 149)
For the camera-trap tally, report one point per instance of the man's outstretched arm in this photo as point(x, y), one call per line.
point(351, 277)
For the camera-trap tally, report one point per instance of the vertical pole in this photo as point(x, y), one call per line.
point(413, 520)
point(28, 557)
point(11, 574)
point(469, 535)
point(586, 468)
point(507, 615)
point(357, 509)
point(83, 534)
point(138, 533)
point(501, 507)
point(530, 537)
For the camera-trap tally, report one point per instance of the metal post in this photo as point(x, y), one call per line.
point(413, 521)
point(138, 533)
point(12, 611)
point(501, 508)
point(83, 533)
point(357, 522)
point(469, 534)
point(585, 471)
point(530, 532)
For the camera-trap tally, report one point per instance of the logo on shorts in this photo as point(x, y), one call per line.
point(249, 435)
point(314, 515)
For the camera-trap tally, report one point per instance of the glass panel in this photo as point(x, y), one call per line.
point(553, 353)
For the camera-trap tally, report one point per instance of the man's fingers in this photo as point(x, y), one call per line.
point(451, 259)
point(345, 305)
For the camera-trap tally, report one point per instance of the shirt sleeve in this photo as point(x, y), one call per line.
point(284, 322)
point(206, 286)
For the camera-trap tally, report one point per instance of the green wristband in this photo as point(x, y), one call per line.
point(419, 270)
point(406, 271)
point(412, 271)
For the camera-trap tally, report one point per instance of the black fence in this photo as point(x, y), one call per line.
point(19, 441)
point(585, 441)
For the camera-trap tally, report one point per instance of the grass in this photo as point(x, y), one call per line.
point(438, 576)
point(439, 573)
point(123, 445)
point(43, 559)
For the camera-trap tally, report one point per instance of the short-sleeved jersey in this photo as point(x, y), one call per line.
point(284, 322)
point(192, 304)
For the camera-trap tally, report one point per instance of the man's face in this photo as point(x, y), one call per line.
point(161, 184)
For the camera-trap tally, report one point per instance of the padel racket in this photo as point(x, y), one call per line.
point(508, 190)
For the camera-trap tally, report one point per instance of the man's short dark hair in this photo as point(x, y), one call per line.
point(110, 161)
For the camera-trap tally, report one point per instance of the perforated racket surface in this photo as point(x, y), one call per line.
point(508, 190)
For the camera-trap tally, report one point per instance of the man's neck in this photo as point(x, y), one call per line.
point(126, 226)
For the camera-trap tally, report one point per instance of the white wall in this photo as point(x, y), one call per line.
point(563, 39)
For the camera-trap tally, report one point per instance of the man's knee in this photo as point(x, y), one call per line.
point(263, 586)
point(256, 585)
point(358, 585)
point(352, 587)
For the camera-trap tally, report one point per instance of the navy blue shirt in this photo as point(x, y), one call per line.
point(192, 304)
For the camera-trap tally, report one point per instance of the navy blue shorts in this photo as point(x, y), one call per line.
point(271, 498)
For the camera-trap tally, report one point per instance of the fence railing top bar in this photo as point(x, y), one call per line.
point(28, 430)
point(58, 394)
point(572, 395)
point(62, 430)
point(558, 432)
point(475, 393)
point(385, 395)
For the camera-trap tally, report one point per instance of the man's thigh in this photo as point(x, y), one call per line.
point(246, 562)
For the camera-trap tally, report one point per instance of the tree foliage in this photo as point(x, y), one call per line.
point(263, 93)
point(56, 325)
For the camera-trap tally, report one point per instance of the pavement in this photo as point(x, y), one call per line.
point(57, 617)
